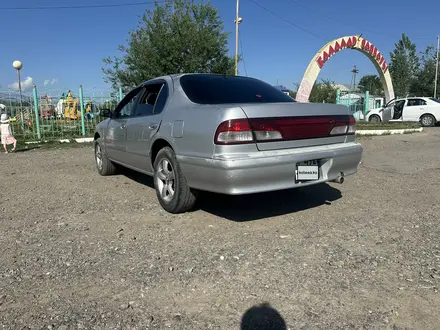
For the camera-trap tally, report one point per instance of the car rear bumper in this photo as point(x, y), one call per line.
point(268, 170)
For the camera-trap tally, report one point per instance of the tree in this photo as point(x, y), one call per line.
point(292, 94)
point(372, 84)
point(403, 66)
point(323, 91)
point(110, 104)
point(180, 36)
point(424, 82)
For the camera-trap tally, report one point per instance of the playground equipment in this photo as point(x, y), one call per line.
point(71, 107)
point(89, 110)
point(3, 109)
point(46, 107)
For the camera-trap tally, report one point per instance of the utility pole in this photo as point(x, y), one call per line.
point(237, 21)
point(354, 71)
point(436, 68)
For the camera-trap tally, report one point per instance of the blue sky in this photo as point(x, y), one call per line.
point(62, 49)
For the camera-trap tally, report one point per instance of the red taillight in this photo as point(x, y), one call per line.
point(344, 126)
point(235, 131)
point(265, 130)
point(352, 125)
point(351, 120)
point(239, 131)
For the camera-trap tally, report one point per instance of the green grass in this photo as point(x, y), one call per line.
point(363, 125)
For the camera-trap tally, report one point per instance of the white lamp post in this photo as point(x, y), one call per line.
point(237, 21)
point(18, 66)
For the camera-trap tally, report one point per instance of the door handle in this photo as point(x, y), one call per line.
point(152, 126)
point(122, 126)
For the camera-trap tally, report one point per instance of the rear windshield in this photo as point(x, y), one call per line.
point(435, 100)
point(213, 89)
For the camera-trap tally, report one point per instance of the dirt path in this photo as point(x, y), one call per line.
point(80, 251)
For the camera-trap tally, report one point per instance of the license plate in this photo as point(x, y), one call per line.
point(307, 170)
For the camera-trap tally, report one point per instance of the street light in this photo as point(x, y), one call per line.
point(18, 66)
point(237, 21)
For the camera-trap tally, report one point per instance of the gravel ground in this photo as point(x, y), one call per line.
point(81, 251)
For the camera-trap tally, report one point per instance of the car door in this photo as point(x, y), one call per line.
point(145, 123)
point(116, 137)
point(388, 111)
point(413, 109)
point(398, 110)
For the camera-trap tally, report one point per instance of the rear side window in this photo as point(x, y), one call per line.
point(213, 89)
point(415, 102)
point(161, 99)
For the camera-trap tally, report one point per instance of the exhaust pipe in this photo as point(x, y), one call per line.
point(339, 179)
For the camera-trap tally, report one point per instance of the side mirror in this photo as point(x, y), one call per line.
point(106, 113)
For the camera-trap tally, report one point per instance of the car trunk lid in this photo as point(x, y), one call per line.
point(299, 124)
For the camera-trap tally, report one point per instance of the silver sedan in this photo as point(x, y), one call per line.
point(226, 134)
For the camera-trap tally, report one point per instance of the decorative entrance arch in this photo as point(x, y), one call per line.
point(326, 52)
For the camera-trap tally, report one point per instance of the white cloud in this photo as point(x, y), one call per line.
point(50, 81)
point(26, 84)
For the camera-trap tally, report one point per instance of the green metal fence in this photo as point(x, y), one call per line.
point(57, 114)
point(355, 101)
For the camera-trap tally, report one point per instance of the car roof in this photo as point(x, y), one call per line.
point(179, 75)
point(412, 97)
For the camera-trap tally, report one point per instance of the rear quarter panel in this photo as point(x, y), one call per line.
point(434, 109)
point(190, 127)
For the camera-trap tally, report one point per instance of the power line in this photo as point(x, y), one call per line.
point(329, 17)
point(343, 23)
point(83, 6)
point(287, 21)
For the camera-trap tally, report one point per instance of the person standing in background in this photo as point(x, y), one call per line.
point(6, 133)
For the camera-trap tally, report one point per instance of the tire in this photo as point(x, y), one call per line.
point(427, 121)
point(374, 119)
point(172, 190)
point(103, 164)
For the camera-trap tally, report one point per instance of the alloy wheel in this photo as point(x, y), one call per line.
point(165, 180)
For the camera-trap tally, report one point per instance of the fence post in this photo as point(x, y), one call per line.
point(81, 104)
point(120, 94)
point(37, 115)
point(367, 102)
point(338, 96)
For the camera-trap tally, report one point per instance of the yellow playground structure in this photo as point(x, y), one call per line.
point(69, 107)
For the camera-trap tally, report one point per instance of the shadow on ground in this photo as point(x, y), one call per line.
point(24, 149)
point(265, 205)
point(262, 317)
point(256, 206)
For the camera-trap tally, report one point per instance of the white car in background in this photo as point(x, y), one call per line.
point(425, 110)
